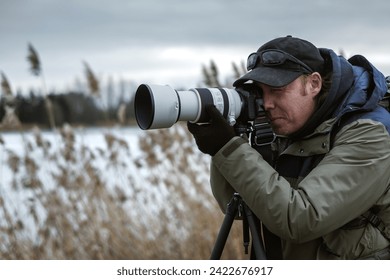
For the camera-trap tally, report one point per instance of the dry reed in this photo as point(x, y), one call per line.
point(156, 205)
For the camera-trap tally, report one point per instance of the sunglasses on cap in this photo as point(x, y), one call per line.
point(274, 58)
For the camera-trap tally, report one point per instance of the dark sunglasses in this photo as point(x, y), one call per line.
point(274, 58)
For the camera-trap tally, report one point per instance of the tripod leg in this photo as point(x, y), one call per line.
point(245, 233)
point(256, 242)
point(231, 211)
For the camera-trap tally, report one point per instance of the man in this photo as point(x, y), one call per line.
point(326, 192)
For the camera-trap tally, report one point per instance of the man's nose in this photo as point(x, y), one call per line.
point(268, 102)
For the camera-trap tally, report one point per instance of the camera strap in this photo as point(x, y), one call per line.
point(262, 133)
point(262, 137)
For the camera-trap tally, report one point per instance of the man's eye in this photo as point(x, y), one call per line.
point(277, 89)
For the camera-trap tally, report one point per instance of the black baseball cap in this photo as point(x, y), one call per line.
point(282, 60)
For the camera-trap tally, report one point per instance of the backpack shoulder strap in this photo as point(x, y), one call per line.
point(372, 218)
point(369, 217)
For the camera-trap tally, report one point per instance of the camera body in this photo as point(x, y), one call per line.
point(158, 106)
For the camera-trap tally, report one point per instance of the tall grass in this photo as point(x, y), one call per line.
point(70, 201)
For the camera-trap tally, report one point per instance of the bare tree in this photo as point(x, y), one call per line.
point(211, 73)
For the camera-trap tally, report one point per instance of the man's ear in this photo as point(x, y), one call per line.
point(314, 83)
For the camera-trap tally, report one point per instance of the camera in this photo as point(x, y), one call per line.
point(161, 106)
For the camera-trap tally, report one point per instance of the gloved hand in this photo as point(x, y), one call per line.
point(211, 137)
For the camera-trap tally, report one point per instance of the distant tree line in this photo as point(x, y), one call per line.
point(85, 107)
point(70, 107)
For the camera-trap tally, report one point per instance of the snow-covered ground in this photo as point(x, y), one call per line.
point(93, 138)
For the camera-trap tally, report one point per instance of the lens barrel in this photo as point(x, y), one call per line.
point(158, 106)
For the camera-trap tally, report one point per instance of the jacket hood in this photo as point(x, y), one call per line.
point(369, 86)
point(355, 85)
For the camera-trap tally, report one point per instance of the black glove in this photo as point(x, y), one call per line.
point(211, 137)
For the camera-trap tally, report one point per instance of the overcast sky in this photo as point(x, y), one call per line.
point(168, 41)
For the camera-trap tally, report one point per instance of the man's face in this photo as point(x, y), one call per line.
point(291, 106)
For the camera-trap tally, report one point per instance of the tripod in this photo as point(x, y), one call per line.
point(262, 136)
point(250, 221)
